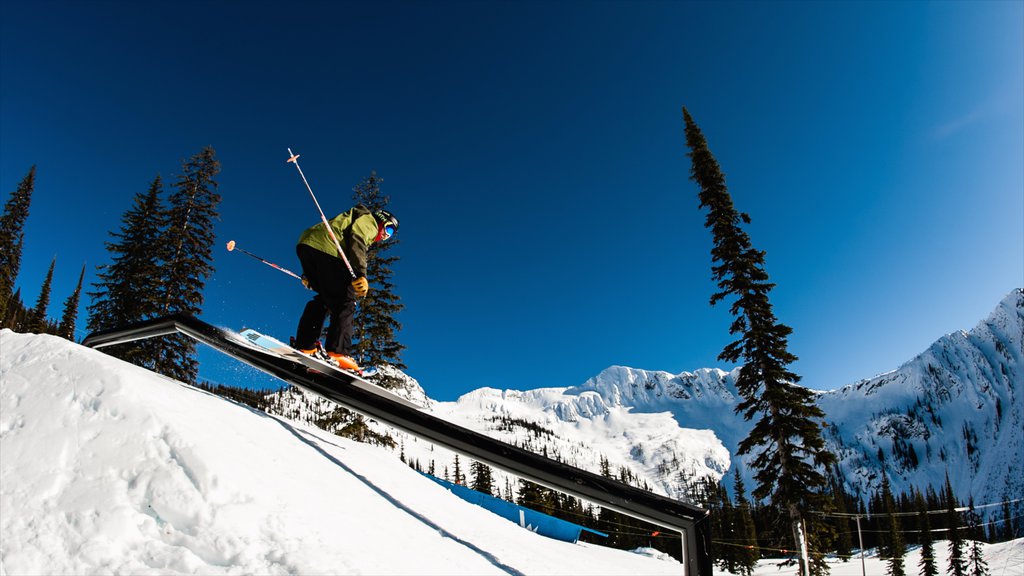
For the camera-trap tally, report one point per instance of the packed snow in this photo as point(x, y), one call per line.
point(108, 468)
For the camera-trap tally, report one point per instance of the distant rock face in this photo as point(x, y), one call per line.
point(956, 408)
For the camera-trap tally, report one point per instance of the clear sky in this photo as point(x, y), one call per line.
point(534, 153)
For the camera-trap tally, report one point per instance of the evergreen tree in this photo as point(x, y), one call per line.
point(375, 340)
point(483, 479)
point(12, 235)
point(895, 549)
point(188, 242)
point(460, 478)
point(530, 495)
point(786, 440)
point(68, 320)
point(1008, 532)
point(927, 565)
point(16, 315)
point(37, 321)
point(957, 564)
point(842, 505)
point(746, 531)
point(128, 289)
point(976, 564)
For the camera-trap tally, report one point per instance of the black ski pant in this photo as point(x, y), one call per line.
point(335, 297)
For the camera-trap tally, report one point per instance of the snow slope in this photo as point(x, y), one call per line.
point(106, 467)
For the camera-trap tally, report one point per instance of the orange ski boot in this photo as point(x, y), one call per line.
point(344, 362)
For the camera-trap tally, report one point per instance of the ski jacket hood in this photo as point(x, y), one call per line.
point(355, 229)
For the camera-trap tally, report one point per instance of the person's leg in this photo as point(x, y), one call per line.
point(332, 282)
point(320, 272)
point(342, 322)
point(311, 324)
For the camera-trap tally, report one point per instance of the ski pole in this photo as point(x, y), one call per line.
point(294, 159)
point(232, 248)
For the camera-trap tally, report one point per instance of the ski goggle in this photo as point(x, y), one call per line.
point(389, 230)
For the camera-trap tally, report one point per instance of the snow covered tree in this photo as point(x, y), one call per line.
point(37, 321)
point(375, 338)
point(128, 289)
point(188, 257)
point(68, 320)
point(12, 235)
point(786, 441)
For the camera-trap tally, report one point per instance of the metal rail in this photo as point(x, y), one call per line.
point(691, 521)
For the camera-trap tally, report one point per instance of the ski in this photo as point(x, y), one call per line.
point(275, 346)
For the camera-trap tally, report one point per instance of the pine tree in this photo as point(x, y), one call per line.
point(957, 564)
point(927, 566)
point(128, 289)
point(976, 564)
point(37, 321)
point(460, 478)
point(68, 320)
point(16, 315)
point(12, 235)
point(1008, 532)
point(786, 440)
point(746, 531)
point(535, 497)
point(841, 500)
point(375, 319)
point(895, 549)
point(188, 244)
point(483, 479)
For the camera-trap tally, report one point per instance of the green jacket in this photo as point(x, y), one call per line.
point(355, 230)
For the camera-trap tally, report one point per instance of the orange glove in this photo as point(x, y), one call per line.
point(362, 286)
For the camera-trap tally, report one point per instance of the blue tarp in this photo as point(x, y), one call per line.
point(543, 524)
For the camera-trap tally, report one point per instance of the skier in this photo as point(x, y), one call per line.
point(324, 272)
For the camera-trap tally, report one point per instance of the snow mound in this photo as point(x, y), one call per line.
point(108, 468)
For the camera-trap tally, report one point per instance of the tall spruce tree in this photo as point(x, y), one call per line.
point(376, 330)
point(128, 289)
point(926, 566)
point(12, 236)
point(957, 562)
point(68, 320)
point(188, 261)
point(976, 564)
point(895, 548)
point(746, 530)
point(786, 440)
point(37, 321)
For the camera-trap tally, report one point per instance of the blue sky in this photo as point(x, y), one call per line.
point(534, 152)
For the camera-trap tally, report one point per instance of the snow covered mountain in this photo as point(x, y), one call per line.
point(956, 408)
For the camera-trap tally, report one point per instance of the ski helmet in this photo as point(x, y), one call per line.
point(387, 222)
